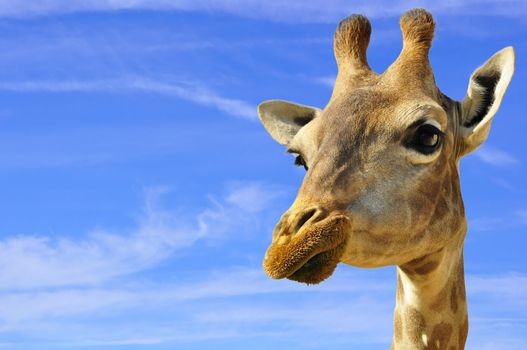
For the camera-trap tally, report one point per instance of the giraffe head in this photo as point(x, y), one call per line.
point(381, 185)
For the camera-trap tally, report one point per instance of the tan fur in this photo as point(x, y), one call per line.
point(369, 199)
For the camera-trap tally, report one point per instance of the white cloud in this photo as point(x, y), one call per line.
point(368, 319)
point(40, 261)
point(328, 81)
point(30, 305)
point(289, 11)
point(512, 286)
point(252, 197)
point(506, 184)
point(28, 262)
point(187, 91)
point(501, 342)
point(522, 215)
point(485, 224)
point(494, 156)
point(197, 309)
point(505, 223)
point(350, 305)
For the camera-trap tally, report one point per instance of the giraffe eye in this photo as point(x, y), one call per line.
point(426, 139)
point(299, 161)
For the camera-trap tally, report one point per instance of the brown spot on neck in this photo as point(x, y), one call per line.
point(424, 265)
point(453, 300)
point(426, 268)
point(441, 299)
point(441, 335)
point(414, 324)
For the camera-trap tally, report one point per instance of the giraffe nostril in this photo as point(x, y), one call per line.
point(294, 220)
point(303, 218)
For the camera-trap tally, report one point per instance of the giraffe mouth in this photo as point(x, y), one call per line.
point(311, 255)
point(319, 267)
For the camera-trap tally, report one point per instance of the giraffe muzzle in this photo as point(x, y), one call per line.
point(307, 246)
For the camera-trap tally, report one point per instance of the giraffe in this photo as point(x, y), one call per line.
point(382, 178)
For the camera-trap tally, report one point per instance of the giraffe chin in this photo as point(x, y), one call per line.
point(319, 267)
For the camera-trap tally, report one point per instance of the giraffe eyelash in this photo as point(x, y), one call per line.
point(299, 159)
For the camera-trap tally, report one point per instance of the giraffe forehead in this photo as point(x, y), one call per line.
point(370, 111)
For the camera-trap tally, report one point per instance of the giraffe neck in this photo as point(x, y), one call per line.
point(431, 308)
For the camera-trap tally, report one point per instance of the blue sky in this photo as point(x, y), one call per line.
point(139, 190)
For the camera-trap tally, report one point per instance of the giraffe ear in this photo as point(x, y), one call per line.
point(485, 92)
point(284, 119)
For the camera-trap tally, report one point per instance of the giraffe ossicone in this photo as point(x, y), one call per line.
point(382, 183)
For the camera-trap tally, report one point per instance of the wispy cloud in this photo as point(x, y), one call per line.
point(187, 91)
point(292, 11)
point(28, 262)
point(328, 81)
point(502, 286)
point(494, 156)
point(505, 222)
point(504, 183)
point(40, 261)
point(485, 224)
point(218, 300)
point(497, 303)
point(27, 305)
point(351, 306)
point(522, 215)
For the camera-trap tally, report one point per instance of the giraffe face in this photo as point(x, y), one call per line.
point(388, 166)
point(378, 169)
point(381, 185)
